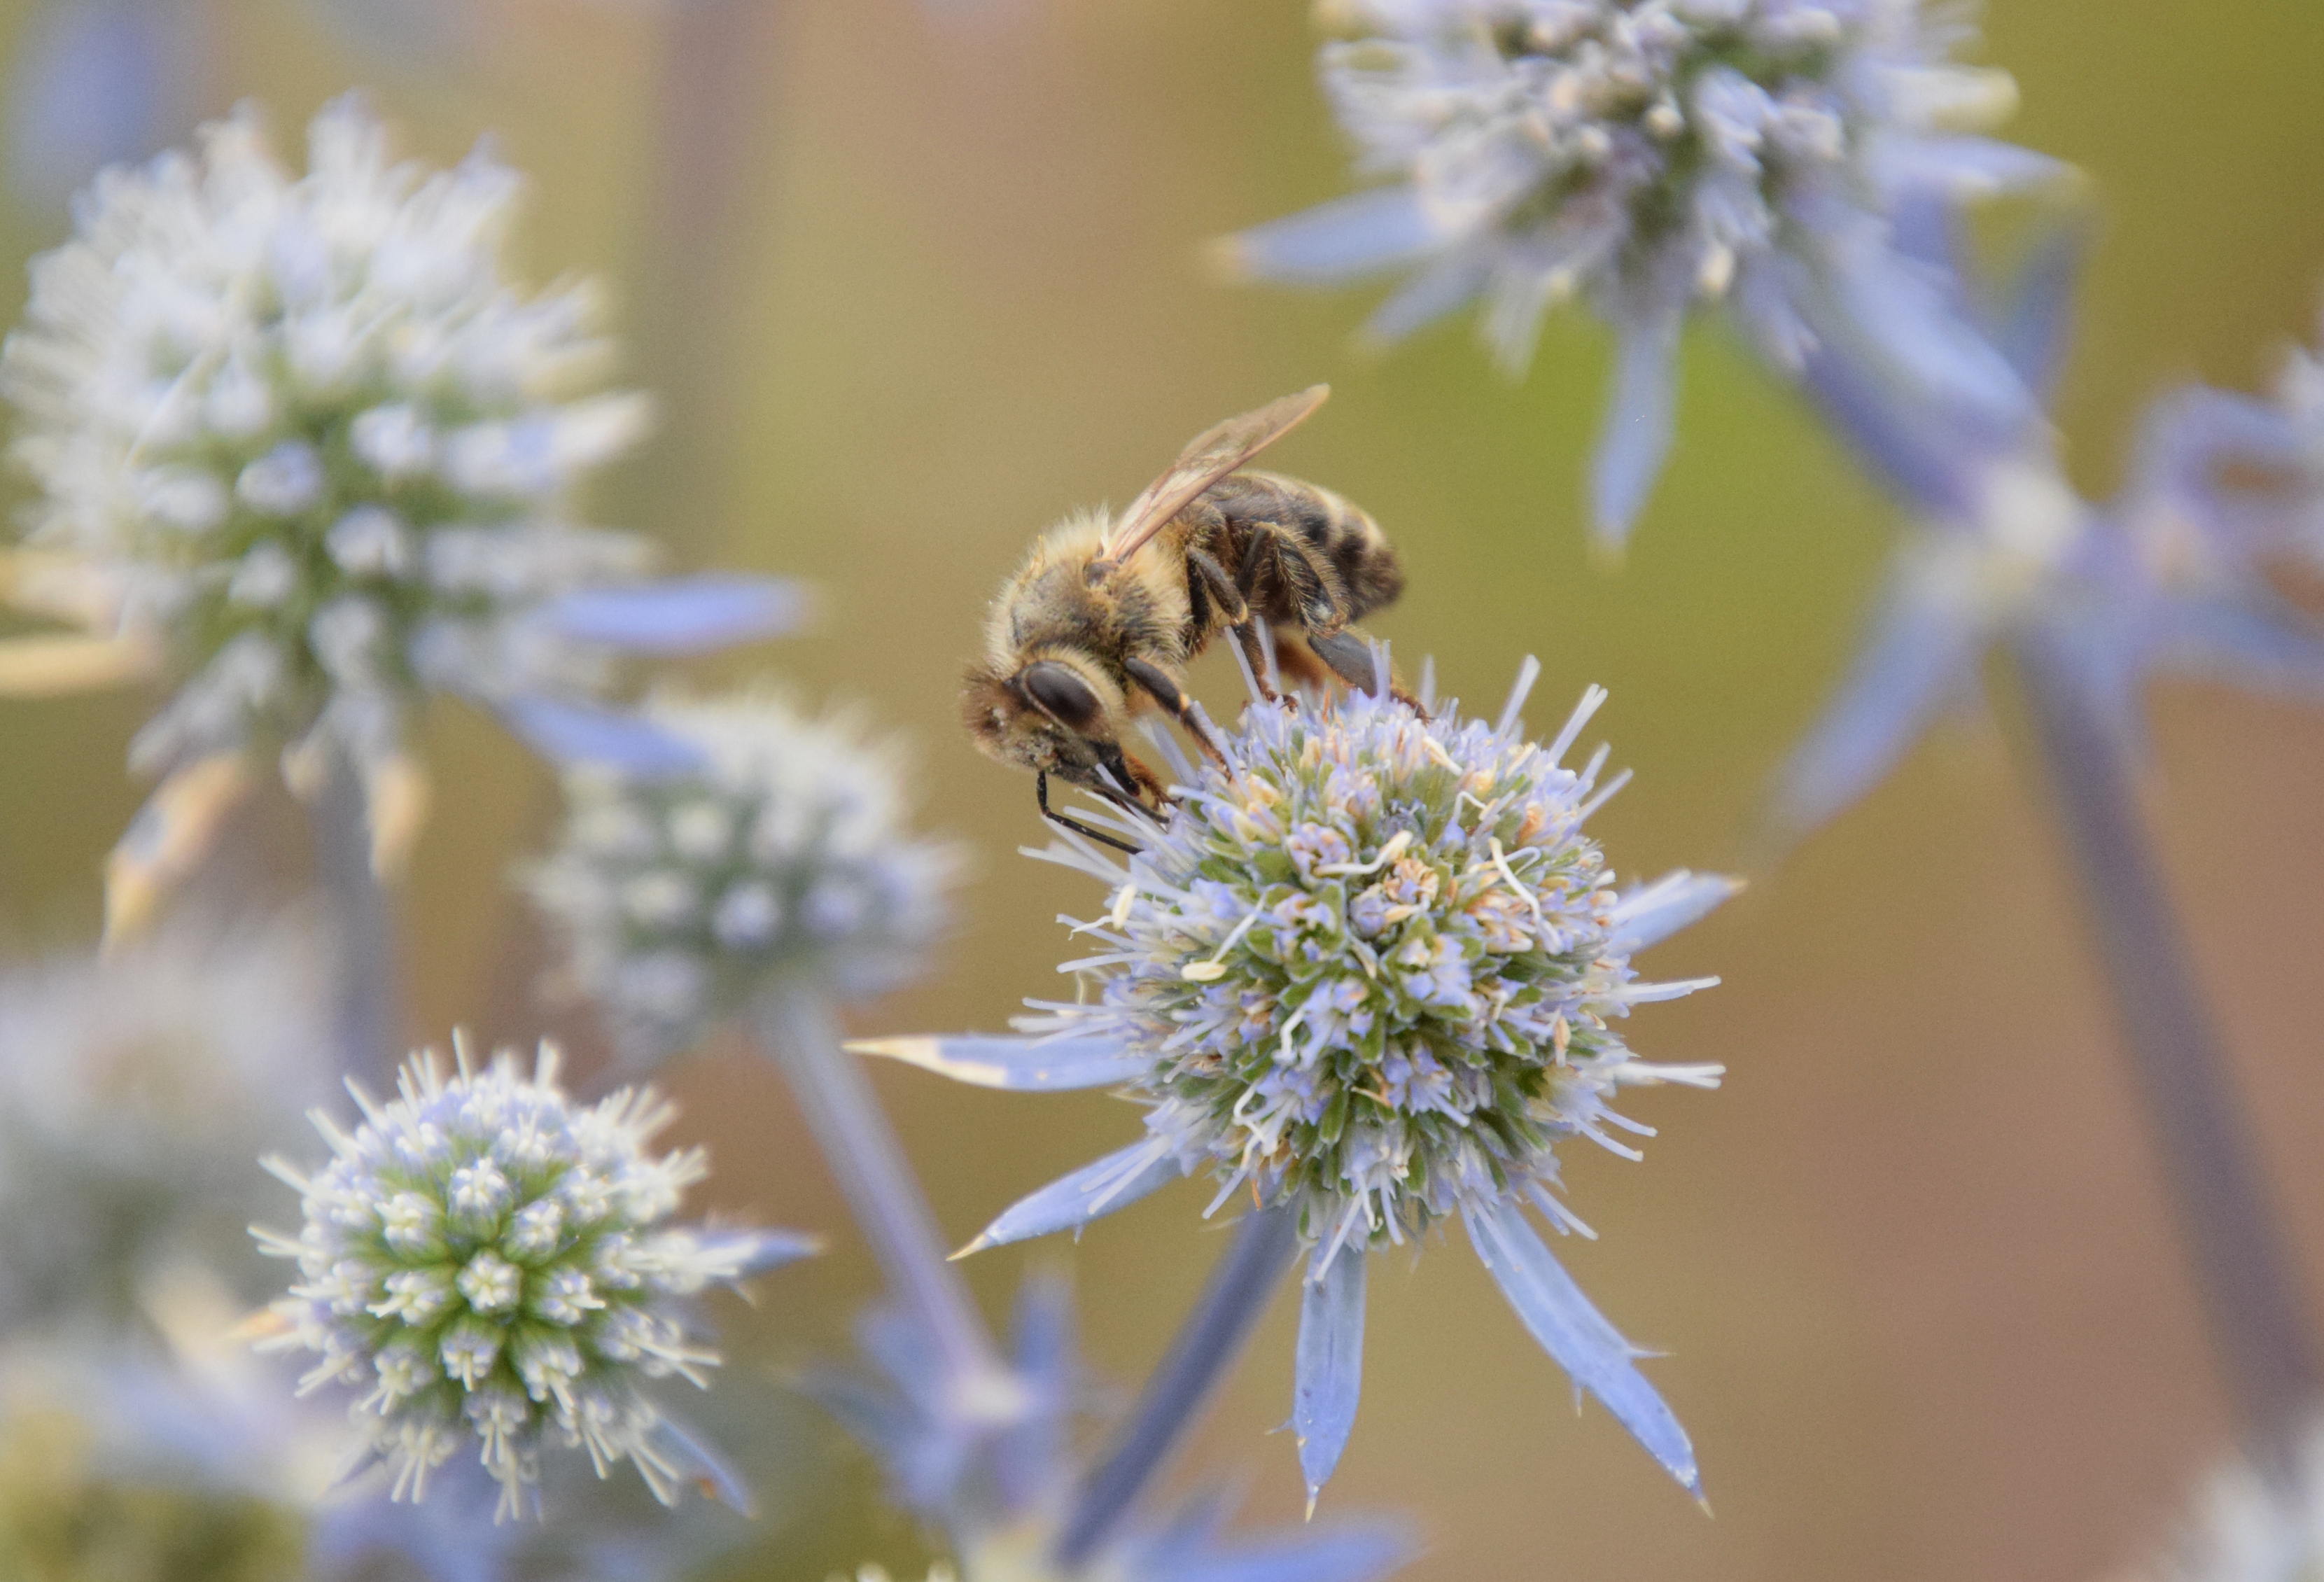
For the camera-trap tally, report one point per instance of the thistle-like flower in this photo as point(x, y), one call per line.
point(489, 1260)
point(1370, 970)
point(1653, 157)
point(2171, 576)
point(786, 856)
point(308, 453)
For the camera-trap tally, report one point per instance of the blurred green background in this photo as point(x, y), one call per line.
point(912, 280)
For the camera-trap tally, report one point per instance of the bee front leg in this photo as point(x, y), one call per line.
point(1158, 686)
point(1041, 797)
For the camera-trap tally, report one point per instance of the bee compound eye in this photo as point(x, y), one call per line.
point(1061, 695)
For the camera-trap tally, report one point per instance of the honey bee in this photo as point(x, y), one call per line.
point(1101, 620)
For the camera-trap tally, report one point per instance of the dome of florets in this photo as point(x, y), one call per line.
point(492, 1264)
point(1642, 148)
point(1375, 967)
point(788, 854)
point(305, 436)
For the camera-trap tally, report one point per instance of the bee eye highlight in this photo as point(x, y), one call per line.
point(1060, 693)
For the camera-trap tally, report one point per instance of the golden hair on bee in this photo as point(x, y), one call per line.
point(1102, 620)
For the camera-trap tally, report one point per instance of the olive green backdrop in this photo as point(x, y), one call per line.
point(913, 280)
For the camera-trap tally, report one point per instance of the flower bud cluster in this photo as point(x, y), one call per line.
point(788, 854)
point(489, 1262)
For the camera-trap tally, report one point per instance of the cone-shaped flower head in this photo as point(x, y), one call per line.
point(1372, 970)
point(787, 855)
point(308, 452)
point(1651, 156)
point(491, 1263)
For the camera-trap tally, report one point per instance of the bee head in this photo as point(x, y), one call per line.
point(1054, 716)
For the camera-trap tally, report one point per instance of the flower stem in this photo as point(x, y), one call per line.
point(366, 1012)
point(796, 1027)
point(1207, 1343)
point(2232, 1235)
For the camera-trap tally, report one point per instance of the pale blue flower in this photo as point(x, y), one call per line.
point(1000, 1487)
point(135, 1088)
point(1655, 157)
point(2171, 576)
point(491, 1262)
point(310, 453)
point(1370, 972)
point(782, 853)
point(94, 82)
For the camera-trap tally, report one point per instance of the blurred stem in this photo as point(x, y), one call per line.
point(2233, 1236)
point(366, 1009)
point(796, 1028)
point(709, 182)
point(1207, 1343)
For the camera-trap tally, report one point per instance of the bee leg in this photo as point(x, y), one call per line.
point(1349, 656)
point(1298, 662)
point(1041, 796)
point(1233, 608)
point(1172, 697)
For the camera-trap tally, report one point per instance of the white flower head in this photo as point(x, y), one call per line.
point(306, 440)
point(788, 853)
point(490, 1263)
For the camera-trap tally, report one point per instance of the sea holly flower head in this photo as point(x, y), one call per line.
point(491, 1262)
point(1651, 157)
point(1370, 972)
point(786, 855)
point(308, 453)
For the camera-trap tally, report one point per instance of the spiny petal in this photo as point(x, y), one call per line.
point(1589, 1348)
point(1017, 1065)
point(1329, 1371)
point(44, 665)
point(168, 840)
point(1114, 1181)
point(682, 615)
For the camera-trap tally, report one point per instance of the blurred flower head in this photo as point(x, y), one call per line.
point(1369, 971)
point(1001, 1493)
point(787, 855)
point(490, 1261)
point(2248, 1528)
point(134, 1091)
point(308, 452)
point(2176, 574)
point(1652, 157)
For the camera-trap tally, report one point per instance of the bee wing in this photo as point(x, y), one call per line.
point(1208, 457)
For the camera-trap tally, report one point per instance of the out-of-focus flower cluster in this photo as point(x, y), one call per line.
point(491, 1262)
point(304, 436)
point(786, 856)
point(1653, 156)
point(135, 1091)
point(1002, 1493)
